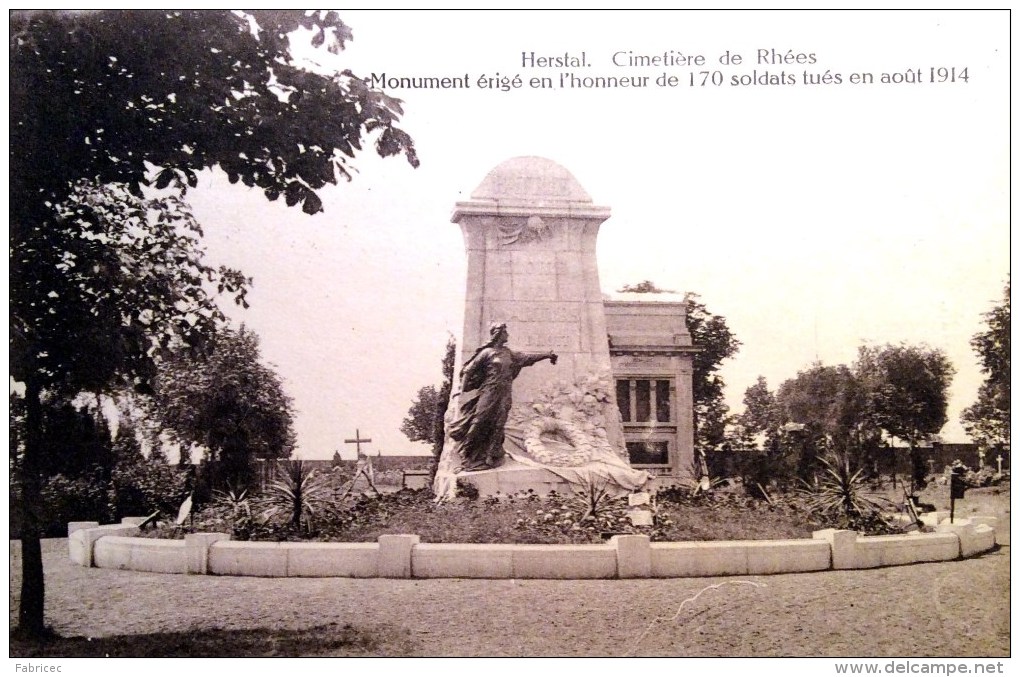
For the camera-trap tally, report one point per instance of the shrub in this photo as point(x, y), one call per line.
point(466, 490)
point(73, 499)
point(593, 498)
point(299, 497)
point(985, 477)
point(839, 498)
point(140, 486)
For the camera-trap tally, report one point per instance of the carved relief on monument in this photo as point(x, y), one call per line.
point(566, 423)
point(523, 230)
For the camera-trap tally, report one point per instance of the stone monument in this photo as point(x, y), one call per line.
point(530, 232)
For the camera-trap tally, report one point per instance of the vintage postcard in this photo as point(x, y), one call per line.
point(680, 268)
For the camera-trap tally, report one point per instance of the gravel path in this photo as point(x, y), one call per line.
point(930, 610)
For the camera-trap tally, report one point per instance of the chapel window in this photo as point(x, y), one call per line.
point(645, 400)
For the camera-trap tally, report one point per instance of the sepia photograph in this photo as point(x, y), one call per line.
point(629, 334)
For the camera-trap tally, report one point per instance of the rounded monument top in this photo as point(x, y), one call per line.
point(530, 179)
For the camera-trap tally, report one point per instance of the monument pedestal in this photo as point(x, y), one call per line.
point(514, 477)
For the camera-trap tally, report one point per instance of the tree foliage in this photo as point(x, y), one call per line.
point(890, 391)
point(75, 440)
point(829, 400)
point(99, 294)
point(425, 420)
point(644, 287)
point(908, 389)
point(141, 485)
point(761, 416)
point(717, 343)
point(111, 93)
point(824, 410)
point(445, 391)
point(229, 403)
point(420, 423)
point(108, 285)
point(987, 421)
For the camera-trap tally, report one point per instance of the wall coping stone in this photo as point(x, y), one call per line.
point(632, 552)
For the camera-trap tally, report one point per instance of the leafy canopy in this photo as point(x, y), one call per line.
point(109, 284)
point(104, 281)
point(424, 420)
point(228, 402)
point(988, 419)
point(420, 423)
point(107, 95)
point(908, 388)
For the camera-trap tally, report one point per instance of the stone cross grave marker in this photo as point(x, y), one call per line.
point(358, 440)
point(364, 467)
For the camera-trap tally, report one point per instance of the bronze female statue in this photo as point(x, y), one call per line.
point(486, 397)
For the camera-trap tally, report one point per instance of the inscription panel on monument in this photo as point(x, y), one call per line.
point(547, 311)
point(528, 263)
point(534, 287)
point(537, 326)
point(540, 336)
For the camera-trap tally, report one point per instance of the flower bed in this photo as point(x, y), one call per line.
point(523, 519)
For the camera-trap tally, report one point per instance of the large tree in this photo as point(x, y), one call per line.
point(987, 420)
point(103, 103)
point(825, 409)
point(228, 402)
point(716, 343)
point(420, 423)
point(98, 293)
point(908, 391)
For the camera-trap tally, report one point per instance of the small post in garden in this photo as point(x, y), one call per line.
point(956, 489)
point(998, 460)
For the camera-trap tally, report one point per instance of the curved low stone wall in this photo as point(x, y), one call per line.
point(630, 556)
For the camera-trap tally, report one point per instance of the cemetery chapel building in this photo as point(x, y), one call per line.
point(530, 231)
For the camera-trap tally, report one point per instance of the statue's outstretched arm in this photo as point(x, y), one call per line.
point(528, 359)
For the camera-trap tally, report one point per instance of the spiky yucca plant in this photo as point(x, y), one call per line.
point(300, 494)
point(593, 496)
point(235, 502)
point(840, 491)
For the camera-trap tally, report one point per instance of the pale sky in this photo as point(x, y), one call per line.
point(813, 218)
